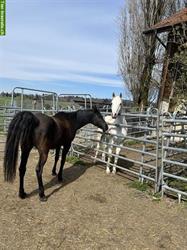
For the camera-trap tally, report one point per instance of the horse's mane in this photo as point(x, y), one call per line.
point(66, 115)
point(71, 114)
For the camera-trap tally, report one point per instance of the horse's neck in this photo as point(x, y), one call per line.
point(84, 117)
point(119, 119)
point(113, 124)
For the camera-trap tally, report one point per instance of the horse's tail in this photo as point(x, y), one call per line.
point(20, 131)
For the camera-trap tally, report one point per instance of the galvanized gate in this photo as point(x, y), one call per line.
point(154, 149)
point(174, 156)
point(139, 153)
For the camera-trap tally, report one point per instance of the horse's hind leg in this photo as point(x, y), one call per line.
point(22, 170)
point(64, 153)
point(39, 171)
point(56, 160)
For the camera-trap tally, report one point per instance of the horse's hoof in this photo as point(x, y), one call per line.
point(114, 171)
point(54, 173)
point(108, 171)
point(60, 178)
point(43, 198)
point(22, 195)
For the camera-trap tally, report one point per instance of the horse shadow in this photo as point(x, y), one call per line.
point(124, 163)
point(70, 175)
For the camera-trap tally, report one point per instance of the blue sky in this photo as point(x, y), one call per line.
point(66, 46)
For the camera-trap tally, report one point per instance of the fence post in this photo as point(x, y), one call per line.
point(158, 166)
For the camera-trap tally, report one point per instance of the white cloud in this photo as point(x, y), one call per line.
point(68, 42)
point(63, 76)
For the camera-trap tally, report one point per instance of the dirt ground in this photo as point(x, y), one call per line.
point(90, 210)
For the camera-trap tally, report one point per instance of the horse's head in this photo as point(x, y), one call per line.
point(117, 103)
point(98, 120)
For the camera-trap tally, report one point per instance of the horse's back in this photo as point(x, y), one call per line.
point(46, 132)
point(45, 121)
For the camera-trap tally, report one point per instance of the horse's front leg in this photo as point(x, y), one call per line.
point(118, 149)
point(56, 160)
point(99, 139)
point(39, 171)
point(110, 147)
point(64, 153)
point(97, 151)
point(104, 148)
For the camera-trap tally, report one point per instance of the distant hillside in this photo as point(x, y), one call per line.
point(37, 101)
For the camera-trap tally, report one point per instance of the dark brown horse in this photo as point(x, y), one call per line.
point(45, 133)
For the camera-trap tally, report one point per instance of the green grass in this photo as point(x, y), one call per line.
point(139, 186)
point(157, 196)
point(178, 184)
point(184, 204)
point(5, 100)
point(131, 143)
point(146, 188)
point(74, 160)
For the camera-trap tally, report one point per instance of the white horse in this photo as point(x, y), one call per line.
point(115, 134)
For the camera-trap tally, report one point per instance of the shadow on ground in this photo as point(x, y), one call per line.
point(70, 175)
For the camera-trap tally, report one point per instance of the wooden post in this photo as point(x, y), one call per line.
point(167, 81)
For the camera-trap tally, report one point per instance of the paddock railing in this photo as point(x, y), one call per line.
point(139, 153)
point(154, 149)
point(174, 157)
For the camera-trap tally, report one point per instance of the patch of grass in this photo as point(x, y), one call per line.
point(5, 100)
point(145, 187)
point(74, 160)
point(184, 204)
point(139, 186)
point(178, 184)
point(157, 196)
point(130, 142)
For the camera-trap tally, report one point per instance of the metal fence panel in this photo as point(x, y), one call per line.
point(154, 149)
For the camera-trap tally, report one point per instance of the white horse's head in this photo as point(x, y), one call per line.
point(117, 103)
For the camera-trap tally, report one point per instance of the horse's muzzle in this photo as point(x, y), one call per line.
point(114, 116)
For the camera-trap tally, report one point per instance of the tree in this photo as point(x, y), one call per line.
point(138, 53)
point(130, 47)
point(153, 11)
point(180, 76)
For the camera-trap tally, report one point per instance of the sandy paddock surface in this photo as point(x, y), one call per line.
point(90, 210)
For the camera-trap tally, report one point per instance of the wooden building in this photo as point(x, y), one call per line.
point(175, 28)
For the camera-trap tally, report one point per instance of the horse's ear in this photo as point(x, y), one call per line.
point(113, 94)
point(120, 95)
